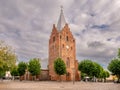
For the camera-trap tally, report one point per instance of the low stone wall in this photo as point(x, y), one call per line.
point(44, 75)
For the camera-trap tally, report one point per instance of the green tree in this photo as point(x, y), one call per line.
point(34, 67)
point(90, 68)
point(2, 71)
point(86, 66)
point(59, 67)
point(22, 66)
point(83, 75)
point(97, 70)
point(107, 74)
point(114, 67)
point(14, 71)
point(7, 56)
point(104, 74)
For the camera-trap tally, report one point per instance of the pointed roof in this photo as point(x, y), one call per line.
point(61, 21)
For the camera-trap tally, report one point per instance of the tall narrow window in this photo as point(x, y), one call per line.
point(60, 36)
point(68, 62)
point(67, 39)
point(54, 39)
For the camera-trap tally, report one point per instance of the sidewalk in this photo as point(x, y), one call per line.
point(53, 85)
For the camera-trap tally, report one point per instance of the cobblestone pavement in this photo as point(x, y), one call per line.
point(53, 85)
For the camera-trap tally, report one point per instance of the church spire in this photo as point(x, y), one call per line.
point(61, 21)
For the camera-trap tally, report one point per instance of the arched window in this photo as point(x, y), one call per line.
point(68, 62)
point(60, 36)
point(54, 39)
point(67, 39)
point(68, 74)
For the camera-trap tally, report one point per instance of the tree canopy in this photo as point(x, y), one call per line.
point(7, 58)
point(7, 55)
point(2, 70)
point(34, 66)
point(14, 71)
point(91, 69)
point(59, 66)
point(86, 66)
point(22, 66)
point(114, 67)
point(104, 74)
point(97, 70)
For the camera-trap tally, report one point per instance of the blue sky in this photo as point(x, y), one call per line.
point(27, 24)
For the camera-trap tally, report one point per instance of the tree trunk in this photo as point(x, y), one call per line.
point(104, 79)
point(60, 77)
point(32, 78)
point(13, 77)
point(35, 77)
point(118, 78)
point(20, 78)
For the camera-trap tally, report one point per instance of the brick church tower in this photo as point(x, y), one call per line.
point(62, 44)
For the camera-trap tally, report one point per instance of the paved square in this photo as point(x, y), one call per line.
point(53, 85)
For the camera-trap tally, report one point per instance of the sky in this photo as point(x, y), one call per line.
point(26, 25)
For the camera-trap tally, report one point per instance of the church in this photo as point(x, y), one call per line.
point(62, 44)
